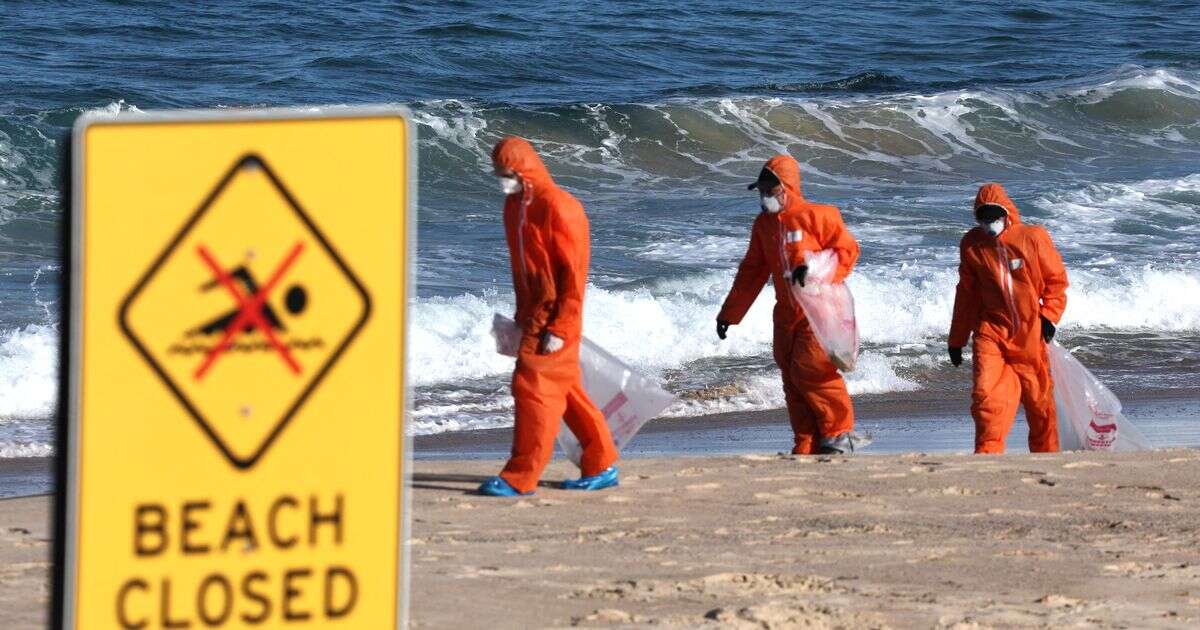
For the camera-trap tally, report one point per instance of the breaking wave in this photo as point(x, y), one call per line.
point(668, 325)
point(695, 144)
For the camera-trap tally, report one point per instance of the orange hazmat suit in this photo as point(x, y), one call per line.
point(549, 243)
point(817, 401)
point(1006, 285)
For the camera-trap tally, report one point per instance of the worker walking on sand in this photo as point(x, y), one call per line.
point(818, 404)
point(1012, 291)
point(549, 244)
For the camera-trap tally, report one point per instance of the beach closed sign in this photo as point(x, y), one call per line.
point(235, 445)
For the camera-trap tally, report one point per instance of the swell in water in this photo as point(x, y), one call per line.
point(1105, 162)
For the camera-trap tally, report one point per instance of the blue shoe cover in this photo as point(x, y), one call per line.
point(606, 479)
point(498, 487)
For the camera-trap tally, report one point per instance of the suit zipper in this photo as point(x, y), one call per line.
point(526, 197)
point(1006, 286)
point(783, 263)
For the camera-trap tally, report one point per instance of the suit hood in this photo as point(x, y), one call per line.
point(517, 154)
point(787, 169)
point(994, 193)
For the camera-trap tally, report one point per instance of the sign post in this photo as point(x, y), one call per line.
point(235, 447)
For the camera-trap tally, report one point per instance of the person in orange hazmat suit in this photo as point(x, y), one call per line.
point(818, 404)
point(547, 233)
point(1012, 291)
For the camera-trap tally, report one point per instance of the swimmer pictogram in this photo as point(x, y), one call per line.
point(245, 311)
point(252, 311)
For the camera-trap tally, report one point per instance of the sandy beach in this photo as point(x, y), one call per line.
point(233, 284)
point(762, 541)
point(773, 541)
point(24, 561)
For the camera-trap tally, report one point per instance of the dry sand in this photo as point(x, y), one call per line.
point(775, 542)
point(24, 561)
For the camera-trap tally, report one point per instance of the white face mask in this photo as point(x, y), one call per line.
point(771, 203)
point(994, 228)
point(510, 185)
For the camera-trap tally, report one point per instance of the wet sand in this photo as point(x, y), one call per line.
point(903, 422)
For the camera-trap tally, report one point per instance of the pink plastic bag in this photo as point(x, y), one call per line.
point(829, 308)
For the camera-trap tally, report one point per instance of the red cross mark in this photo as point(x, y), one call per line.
point(249, 310)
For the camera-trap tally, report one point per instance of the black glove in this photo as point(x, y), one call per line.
point(1048, 330)
point(722, 328)
point(955, 356)
point(799, 273)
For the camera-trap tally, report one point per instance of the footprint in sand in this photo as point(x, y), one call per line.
point(948, 491)
point(840, 494)
point(1059, 601)
point(1151, 571)
point(718, 586)
point(1129, 569)
point(787, 615)
point(607, 616)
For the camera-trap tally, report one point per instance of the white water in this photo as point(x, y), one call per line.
point(1133, 245)
point(668, 326)
point(28, 390)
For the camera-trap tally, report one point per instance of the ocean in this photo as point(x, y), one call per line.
point(655, 115)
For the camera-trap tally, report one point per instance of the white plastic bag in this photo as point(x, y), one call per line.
point(506, 334)
point(626, 398)
point(1089, 415)
point(829, 308)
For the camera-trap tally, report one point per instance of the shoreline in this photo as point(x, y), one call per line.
point(26, 476)
point(903, 422)
point(899, 422)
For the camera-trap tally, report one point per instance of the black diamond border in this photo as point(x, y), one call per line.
point(250, 160)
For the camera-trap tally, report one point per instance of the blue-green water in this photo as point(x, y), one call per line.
point(654, 114)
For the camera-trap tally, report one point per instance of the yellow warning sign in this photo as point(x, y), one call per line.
point(235, 442)
point(272, 308)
